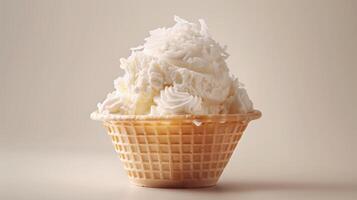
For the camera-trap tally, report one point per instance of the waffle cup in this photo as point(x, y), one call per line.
point(175, 151)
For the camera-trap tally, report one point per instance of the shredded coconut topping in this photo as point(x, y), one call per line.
point(178, 70)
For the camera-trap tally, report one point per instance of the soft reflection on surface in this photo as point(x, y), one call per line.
point(255, 186)
point(254, 190)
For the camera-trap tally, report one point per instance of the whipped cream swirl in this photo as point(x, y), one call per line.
point(172, 101)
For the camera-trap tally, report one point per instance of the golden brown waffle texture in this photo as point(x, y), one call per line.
point(179, 152)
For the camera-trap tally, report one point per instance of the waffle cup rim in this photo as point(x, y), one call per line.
point(255, 114)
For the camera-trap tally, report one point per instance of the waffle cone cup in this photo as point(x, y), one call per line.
point(175, 151)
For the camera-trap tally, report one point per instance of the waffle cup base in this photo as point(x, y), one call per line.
point(176, 151)
point(174, 183)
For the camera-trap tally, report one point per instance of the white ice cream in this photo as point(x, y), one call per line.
point(179, 70)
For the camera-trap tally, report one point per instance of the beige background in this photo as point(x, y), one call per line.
point(298, 60)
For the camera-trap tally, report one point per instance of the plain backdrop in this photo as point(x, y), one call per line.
point(298, 60)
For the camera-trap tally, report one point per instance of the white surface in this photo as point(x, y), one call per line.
point(39, 175)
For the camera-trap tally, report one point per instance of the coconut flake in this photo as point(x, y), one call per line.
point(138, 48)
point(179, 19)
point(204, 28)
point(196, 122)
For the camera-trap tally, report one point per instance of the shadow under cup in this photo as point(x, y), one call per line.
point(176, 151)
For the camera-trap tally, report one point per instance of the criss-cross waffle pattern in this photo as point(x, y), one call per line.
point(175, 150)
